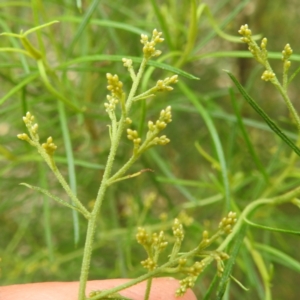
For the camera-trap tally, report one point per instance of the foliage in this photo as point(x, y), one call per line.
point(57, 71)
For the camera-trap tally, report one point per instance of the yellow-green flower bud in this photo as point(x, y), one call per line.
point(23, 137)
point(263, 44)
point(227, 223)
point(132, 134)
point(245, 31)
point(49, 146)
point(178, 230)
point(142, 236)
point(267, 75)
point(287, 52)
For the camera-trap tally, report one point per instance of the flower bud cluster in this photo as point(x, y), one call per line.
point(127, 62)
point(143, 237)
point(24, 137)
point(110, 105)
point(153, 244)
point(33, 140)
point(164, 118)
point(267, 75)
point(159, 241)
point(260, 54)
point(115, 86)
point(205, 239)
point(219, 257)
point(286, 53)
point(49, 146)
point(245, 32)
point(152, 138)
point(149, 47)
point(134, 137)
point(185, 284)
point(32, 128)
point(149, 264)
point(228, 222)
point(164, 85)
point(196, 268)
point(178, 231)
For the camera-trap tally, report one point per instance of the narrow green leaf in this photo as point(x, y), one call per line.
point(70, 162)
point(46, 213)
point(18, 87)
point(119, 58)
point(280, 257)
point(84, 22)
point(271, 228)
point(47, 193)
point(209, 291)
point(215, 137)
point(163, 24)
point(266, 118)
point(105, 23)
point(227, 271)
point(251, 149)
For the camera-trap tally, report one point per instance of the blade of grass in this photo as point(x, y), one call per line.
point(71, 165)
point(271, 228)
point(192, 34)
point(119, 58)
point(280, 257)
point(46, 213)
point(163, 24)
point(215, 137)
point(105, 23)
point(84, 22)
point(16, 45)
point(229, 265)
point(266, 118)
point(18, 87)
point(250, 147)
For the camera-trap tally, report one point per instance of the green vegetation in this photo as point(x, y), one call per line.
point(222, 159)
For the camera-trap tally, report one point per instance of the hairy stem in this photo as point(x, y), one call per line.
point(115, 140)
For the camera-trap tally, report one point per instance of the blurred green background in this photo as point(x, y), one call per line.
point(38, 240)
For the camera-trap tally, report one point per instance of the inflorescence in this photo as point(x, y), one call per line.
point(155, 243)
point(261, 54)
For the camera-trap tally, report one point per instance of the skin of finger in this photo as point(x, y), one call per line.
point(162, 288)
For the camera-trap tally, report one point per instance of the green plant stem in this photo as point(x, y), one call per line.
point(252, 206)
point(261, 266)
point(148, 288)
point(61, 179)
point(122, 171)
point(288, 102)
point(115, 140)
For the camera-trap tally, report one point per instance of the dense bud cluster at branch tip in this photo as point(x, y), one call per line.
point(267, 75)
point(49, 146)
point(178, 230)
point(164, 85)
point(228, 222)
point(261, 55)
point(149, 47)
